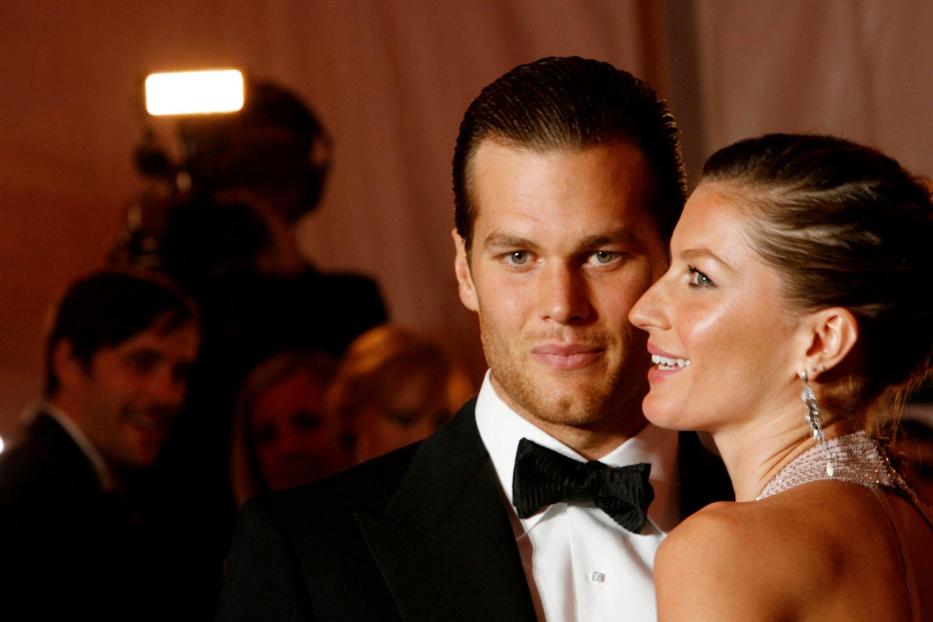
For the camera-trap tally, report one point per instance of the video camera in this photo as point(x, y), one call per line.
point(239, 141)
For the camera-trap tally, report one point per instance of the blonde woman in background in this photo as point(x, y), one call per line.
point(284, 435)
point(394, 388)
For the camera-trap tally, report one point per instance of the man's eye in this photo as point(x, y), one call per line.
point(698, 279)
point(143, 362)
point(519, 258)
point(604, 257)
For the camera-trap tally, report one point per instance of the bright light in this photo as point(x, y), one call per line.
point(2, 445)
point(194, 92)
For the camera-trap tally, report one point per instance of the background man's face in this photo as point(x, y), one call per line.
point(562, 249)
point(129, 397)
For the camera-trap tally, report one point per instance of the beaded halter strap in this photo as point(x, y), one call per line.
point(856, 458)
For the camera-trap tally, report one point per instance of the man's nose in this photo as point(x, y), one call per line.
point(564, 295)
point(168, 389)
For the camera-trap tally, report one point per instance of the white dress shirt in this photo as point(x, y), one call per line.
point(580, 564)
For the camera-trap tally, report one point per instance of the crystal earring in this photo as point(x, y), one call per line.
point(815, 420)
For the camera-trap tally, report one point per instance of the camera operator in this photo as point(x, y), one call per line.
point(226, 235)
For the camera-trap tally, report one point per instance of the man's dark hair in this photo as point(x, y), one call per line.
point(572, 103)
point(105, 308)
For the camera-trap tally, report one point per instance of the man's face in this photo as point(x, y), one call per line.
point(562, 248)
point(126, 401)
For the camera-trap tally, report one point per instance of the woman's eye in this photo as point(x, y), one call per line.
point(698, 279)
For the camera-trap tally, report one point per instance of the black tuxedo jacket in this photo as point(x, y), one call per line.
point(67, 550)
point(419, 534)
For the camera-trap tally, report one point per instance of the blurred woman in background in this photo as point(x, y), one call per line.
point(284, 435)
point(394, 388)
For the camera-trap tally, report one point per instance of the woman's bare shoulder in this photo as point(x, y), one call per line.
point(734, 561)
point(717, 565)
point(761, 559)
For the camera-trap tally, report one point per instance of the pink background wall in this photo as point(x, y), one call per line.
point(390, 79)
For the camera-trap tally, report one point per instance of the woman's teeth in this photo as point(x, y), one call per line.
point(667, 364)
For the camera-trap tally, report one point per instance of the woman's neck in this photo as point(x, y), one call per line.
point(755, 451)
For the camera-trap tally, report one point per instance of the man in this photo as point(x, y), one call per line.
point(567, 182)
point(73, 536)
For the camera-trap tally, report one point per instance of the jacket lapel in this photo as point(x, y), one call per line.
point(444, 543)
point(703, 476)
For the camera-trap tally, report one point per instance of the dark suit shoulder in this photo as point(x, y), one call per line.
point(298, 554)
point(382, 537)
point(447, 457)
point(46, 466)
point(368, 487)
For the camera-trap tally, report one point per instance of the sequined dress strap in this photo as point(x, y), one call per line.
point(854, 458)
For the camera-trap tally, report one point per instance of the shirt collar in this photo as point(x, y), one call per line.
point(96, 458)
point(501, 428)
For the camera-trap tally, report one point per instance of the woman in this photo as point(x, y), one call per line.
point(795, 314)
point(284, 435)
point(393, 388)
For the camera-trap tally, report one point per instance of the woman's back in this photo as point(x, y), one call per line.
point(913, 524)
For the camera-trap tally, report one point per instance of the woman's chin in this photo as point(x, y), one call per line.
point(663, 413)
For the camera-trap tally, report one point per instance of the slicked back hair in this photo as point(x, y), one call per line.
point(572, 103)
point(846, 226)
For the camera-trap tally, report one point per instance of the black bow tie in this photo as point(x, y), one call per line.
point(543, 477)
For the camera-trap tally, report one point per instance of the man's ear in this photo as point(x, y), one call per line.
point(833, 332)
point(464, 277)
point(68, 369)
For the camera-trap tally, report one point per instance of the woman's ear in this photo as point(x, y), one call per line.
point(464, 277)
point(833, 332)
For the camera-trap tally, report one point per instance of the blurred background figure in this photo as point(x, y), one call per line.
point(914, 445)
point(219, 220)
point(244, 177)
point(394, 388)
point(284, 435)
point(76, 529)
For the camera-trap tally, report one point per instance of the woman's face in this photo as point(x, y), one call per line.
point(380, 431)
point(297, 440)
point(724, 343)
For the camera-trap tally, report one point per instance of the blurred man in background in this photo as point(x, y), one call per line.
point(73, 520)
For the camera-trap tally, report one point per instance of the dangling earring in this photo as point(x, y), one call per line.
point(815, 420)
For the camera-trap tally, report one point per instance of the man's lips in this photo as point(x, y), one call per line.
point(567, 356)
point(150, 421)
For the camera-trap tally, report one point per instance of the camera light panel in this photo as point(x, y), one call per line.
point(194, 92)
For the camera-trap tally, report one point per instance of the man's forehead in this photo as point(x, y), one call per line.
point(518, 184)
point(494, 144)
point(163, 336)
point(612, 159)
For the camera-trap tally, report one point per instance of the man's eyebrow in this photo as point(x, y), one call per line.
point(144, 351)
point(619, 236)
point(500, 239)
